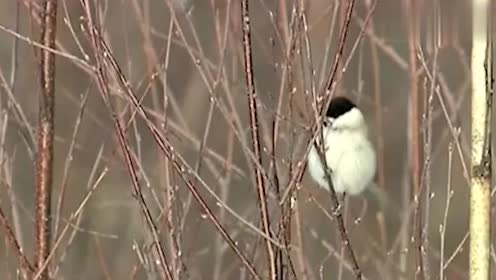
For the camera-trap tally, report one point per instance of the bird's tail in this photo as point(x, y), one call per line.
point(383, 199)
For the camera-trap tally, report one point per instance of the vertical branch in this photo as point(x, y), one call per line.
point(379, 123)
point(480, 191)
point(262, 199)
point(169, 194)
point(376, 66)
point(339, 54)
point(435, 33)
point(29, 138)
point(336, 207)
point(44, 160)
point(286, 85)
point(414, 133)
point(442, 227)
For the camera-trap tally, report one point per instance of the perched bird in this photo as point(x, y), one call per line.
point(349, 155)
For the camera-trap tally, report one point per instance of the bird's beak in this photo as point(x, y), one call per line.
point(330, 121)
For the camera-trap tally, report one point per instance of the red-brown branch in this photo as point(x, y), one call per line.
point(252, 103)
point(44, 161)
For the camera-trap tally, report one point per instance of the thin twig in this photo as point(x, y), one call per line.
point(28, 269)
point(442, 227)
point(70, 222)
point(286, 84)
point(428, 135)
point(336, 207)
point(100, 54)
point(68, 163)
point(252, 101)
point(4, 117)
point(374, 56)
point(180, 165)
point(222, 32)
point(169, 194)
point(51, 49)
point(316, 129)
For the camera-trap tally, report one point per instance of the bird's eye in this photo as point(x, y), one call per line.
point(327, 122)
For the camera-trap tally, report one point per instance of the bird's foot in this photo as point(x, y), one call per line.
point(337, 210)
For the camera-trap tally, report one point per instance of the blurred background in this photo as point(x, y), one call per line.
point(184, 61)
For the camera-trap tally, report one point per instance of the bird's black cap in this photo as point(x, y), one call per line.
point(339, 105)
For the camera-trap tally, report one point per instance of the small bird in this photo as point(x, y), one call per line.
point(349, 155)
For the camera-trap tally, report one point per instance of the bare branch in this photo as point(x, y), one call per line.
point(252, 103)
point(44, 161)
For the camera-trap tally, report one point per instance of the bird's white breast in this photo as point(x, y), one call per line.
point(350, 158)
